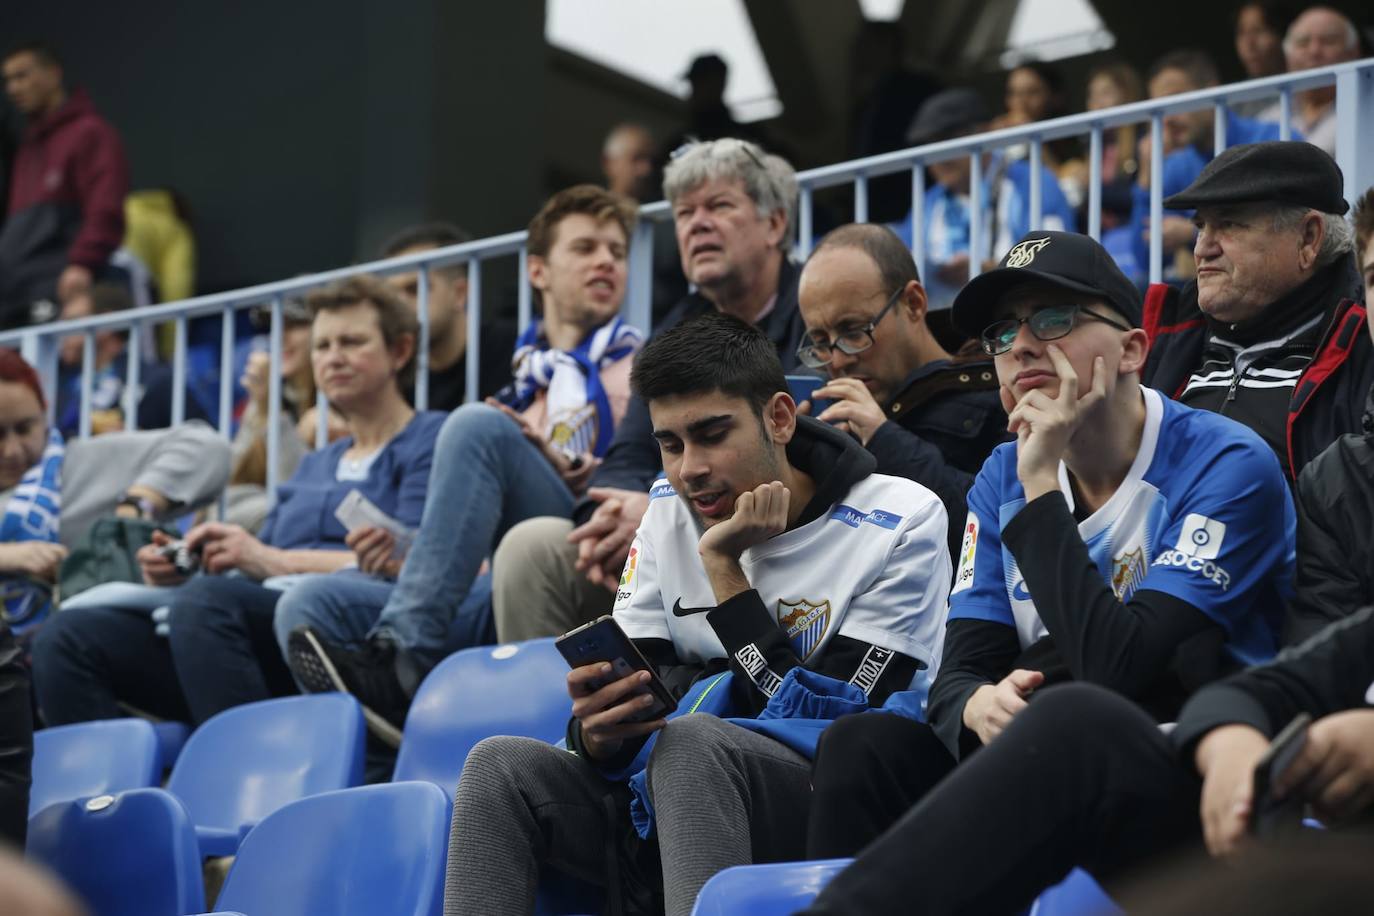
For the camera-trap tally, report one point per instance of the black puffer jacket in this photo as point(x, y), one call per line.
point(1335, 502)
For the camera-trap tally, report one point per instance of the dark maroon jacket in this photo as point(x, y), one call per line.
point(66, 199)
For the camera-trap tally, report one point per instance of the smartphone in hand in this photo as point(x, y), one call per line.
point(1270, 816)
point(603, 640)
point(801, 386)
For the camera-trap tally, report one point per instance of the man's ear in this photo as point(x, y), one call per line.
point(537, 270)
point(777, 227)
point(1135, 348)
point(1313, 231)
point(460, 292)
point(914, 302)
point(780, 418)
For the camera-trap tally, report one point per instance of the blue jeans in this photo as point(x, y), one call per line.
point(343, 607)
point(220, 653)
point(485, 478)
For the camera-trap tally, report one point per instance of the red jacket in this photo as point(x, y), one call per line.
point(71, 162)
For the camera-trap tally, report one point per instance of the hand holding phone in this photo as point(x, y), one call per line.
point(1272, 815)
point(616, 694)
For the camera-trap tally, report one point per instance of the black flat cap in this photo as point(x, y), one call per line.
point(1065, 259)
point(1278, 171)
point(946, 113)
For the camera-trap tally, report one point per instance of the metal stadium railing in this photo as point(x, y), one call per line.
point(1354, 84)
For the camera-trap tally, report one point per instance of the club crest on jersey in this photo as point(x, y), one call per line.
point(1127, 572)
point(1023, 254)
point(805, 623)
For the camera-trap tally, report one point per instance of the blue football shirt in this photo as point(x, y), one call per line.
point(1204, 515)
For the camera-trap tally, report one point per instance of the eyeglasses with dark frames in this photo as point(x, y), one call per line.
point(1049, 323)
point(816, 354)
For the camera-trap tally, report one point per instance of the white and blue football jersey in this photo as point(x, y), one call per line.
point(1204, 515)
point(874, 568)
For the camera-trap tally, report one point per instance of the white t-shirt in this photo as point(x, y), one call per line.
point(874, 567)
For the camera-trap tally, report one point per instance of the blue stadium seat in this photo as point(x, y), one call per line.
point(171, 738)
point(515, 689)
point(765, 890)
point(93, 758)
point(370, 851)
point(248, 761)
point(134, 853)
point(1076, 895)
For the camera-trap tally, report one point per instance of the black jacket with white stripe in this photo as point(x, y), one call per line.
point(1301, 393)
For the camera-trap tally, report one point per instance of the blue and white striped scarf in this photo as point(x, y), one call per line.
point(579, 418)
point(32, 514)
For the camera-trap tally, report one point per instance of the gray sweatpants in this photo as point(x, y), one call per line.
point(722, 796)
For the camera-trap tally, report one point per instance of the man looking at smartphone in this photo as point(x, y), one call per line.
point(923, 413)
point(772, 551)
point(1124, 540)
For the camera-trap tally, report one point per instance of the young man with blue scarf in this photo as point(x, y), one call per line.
point(776, 580)
point(527, 452)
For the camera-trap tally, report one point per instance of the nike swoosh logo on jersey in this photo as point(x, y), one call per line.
point(680, 611)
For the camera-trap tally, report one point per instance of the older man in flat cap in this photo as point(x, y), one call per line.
point(1271, 333)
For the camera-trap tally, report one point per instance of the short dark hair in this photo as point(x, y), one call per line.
point(712, 352)
point(45, 52)
point(1197, 64)
point(395, 318)
point(1363, 218)
point(430, 235)
point(881, 244)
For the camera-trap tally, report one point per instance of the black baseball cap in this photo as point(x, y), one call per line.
point(1278, 171)
point(1065, 259)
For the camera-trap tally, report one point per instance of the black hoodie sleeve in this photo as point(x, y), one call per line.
point(1126, 647)
point(977, 652)
point(1329, 673)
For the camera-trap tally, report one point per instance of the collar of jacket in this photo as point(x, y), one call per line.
point(1320, 293)
point(937, 378)
point(775, 323)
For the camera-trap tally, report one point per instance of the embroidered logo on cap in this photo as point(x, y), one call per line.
point(1023, 253)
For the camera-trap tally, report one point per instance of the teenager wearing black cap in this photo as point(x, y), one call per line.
point(1123, 540)
point(1271, 333)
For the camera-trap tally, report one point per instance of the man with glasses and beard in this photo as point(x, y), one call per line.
point(1123, 539)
